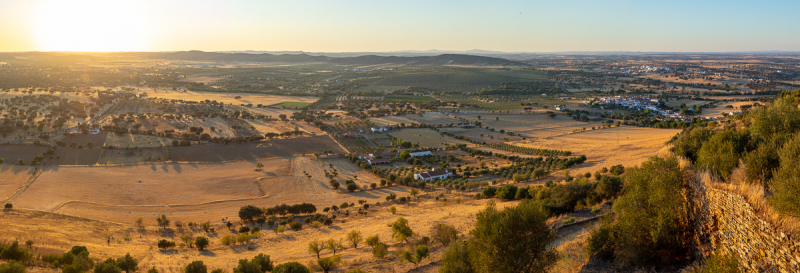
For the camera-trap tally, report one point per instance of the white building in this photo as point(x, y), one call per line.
point(433, 174)
point(423, 153)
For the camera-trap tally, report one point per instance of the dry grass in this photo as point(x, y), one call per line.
point(572, 254)
point(756, 196)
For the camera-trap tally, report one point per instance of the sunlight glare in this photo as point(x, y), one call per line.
point(90, 25)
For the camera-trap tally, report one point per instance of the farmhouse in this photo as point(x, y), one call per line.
point(350, 134)
point(433, 174)
point(423, 153)
point(467, 125)
point(389, 154)
point(379, 129)
point(374, 162)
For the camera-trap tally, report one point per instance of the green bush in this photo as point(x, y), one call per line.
point(690, 141)
point(291, 267)
point(515, 239)
point(721, 263)
point(652, 225)
point(787, 179)
point(722, 152)
point(12, 267)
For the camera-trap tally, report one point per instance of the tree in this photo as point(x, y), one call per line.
point(195, 267)
point(515, 239)
point(334, 245)
point(291, 267)
point(247, 213)
point(163, 221)
point(354, 237)
point(201, 242)
point(413, 192)
point(456, 259)
point(444, 234)
point(259, 166)
point(315, 247)
point(12, 267)
point(264, 261)
point(400, 230)
point(420, 252)
point(328, 263)
point(128, 263)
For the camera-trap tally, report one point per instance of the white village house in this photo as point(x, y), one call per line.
point(433, 174)
point(423, 153)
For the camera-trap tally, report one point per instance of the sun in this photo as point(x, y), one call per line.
point(90, 25)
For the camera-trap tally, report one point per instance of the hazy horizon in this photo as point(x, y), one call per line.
point(366, 26)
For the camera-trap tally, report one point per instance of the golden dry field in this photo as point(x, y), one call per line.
point(625, 145)
point(527, 125)
point(425, 137)
point(224, 97)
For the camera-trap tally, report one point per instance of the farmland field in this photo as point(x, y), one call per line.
point(13, 177)
point(408, 98)
point(461, 79)
point(224, 97)
point(628, 146)
point(433, 118)
point(480, 134)
point(291, 104)
point(527, 125)
point(391, 120)
point(425, 137)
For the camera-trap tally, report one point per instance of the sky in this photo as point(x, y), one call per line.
point(376, 26)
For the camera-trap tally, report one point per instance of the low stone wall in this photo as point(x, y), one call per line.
point(725, 220)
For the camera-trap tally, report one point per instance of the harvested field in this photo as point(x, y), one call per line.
point(13, 177)
point(213, 152)
point(391, 120)
point(530, 125)
point(57, 233)
point(481, 135)
point(74, 156)
point(12, 153)
point(433, 118)
point(425, 137)
point(628, 146)
point(225, 97)
point(147, 184)
point(721, 108)
point(216, 190)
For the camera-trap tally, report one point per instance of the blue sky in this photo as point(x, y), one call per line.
point(514, 26)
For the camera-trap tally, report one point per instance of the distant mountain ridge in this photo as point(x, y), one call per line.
point(442, 59)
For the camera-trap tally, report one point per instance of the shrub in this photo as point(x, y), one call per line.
point(650, 197)
point(568, 221)
point(400, 230)
point(719, 262)
point(722, 152)
point(195, 267)
point(515, 239)
point(263, 261)
point(380, 250)
point(128, 263)
point(12, 267)
point(8, 206)
point(165, 244)
point(201, 242)
point(296, 226)
point(244, 229)
point(227, 240)
point(393, 210)
point(690, 141)
point(291, 267)
point(787, 179)
point(14, 252)
point(761, 162)
point(456, 259)
point(445, 234)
